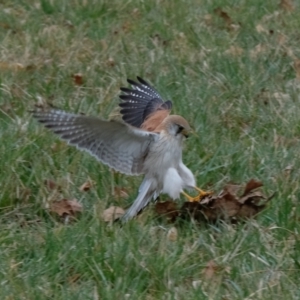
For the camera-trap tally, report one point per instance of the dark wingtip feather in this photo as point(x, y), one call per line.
point(125, 90)
point(132, 82)
point(142, 81)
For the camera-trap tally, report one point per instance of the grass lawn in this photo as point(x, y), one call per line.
point(230, 67)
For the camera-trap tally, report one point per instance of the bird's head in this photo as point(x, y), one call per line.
point(177, 126)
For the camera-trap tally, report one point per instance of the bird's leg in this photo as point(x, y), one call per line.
point(190, 198)
point(199, 197)
point(202, 193)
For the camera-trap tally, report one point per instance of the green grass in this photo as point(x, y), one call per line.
point(244, 108)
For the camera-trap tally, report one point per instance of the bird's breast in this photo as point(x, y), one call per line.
point(164, 154)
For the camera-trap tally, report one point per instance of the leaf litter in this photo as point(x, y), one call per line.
point(232, 204)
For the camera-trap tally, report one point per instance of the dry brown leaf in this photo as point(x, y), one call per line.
point(287, 5)
point(253, 197)
point(172, 234)
point(78, 78)
point(86, 186)
point(210, 270)
point(65, 207)
point(251, 185)
point(112, 213)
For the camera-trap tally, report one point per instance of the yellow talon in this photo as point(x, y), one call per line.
point(190, 198)
point(202, 194)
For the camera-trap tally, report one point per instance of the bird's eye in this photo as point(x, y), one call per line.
point(180, 128)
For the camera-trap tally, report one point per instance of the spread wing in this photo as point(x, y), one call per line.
point(141, 102)
point(117, 145)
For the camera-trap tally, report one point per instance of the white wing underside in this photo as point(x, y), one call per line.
point(117, 145)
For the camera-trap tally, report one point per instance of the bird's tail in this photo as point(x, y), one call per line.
point(146, 193)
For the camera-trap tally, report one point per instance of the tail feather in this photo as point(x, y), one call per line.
point(146, 193)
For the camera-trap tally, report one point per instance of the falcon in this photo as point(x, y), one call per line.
point(148, 140)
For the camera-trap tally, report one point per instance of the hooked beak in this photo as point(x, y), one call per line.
point(185, 133)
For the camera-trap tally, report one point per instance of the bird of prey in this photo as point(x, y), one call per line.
point(148, 140)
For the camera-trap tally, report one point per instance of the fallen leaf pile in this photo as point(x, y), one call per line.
point(233, 203)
